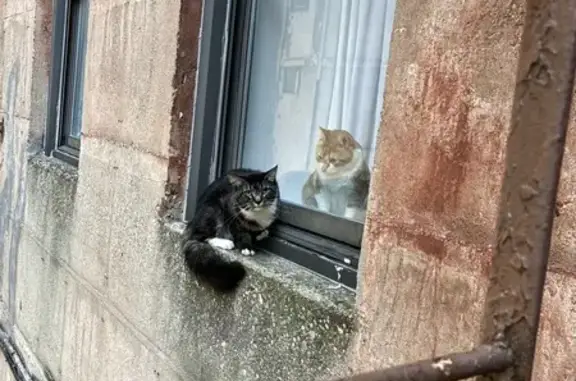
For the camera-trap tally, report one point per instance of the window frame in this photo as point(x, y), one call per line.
point(325, 244)
point(69, 44)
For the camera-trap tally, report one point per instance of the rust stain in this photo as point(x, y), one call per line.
point(423, 241)
point(444, 102)
point(466, 250)
point(440, 89)
point(184, 84)
point(449, 151)
point(446, 169)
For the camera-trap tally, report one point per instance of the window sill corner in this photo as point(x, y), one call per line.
point(292, 277)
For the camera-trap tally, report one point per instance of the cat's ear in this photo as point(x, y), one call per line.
point(346, 138)
point(235, 180)
point(271, 174)
point(322, 131)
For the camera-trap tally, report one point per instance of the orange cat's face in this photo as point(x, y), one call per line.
point(334, 150)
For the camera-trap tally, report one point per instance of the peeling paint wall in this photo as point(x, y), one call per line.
point(434, 197)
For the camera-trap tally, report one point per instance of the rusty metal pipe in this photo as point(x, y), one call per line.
point(457, 366)
point(540, 114)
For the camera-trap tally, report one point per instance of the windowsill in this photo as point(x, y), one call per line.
point(63, 168)
point(67, 155)
point(310, 285)
point(292, 276)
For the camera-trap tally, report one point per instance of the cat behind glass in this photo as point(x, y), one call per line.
point(341, 180)
point(232, 213)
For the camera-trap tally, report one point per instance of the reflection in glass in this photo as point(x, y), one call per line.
point(316, 90)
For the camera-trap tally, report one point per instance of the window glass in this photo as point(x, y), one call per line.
point(317, 77)
point(75, 78)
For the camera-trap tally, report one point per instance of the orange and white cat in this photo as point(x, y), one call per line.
point(339, 185)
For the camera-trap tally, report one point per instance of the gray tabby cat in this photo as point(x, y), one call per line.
point(341, 180)
point(234, 212)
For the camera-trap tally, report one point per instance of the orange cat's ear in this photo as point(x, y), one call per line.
point(322, 135)
point(345, 138)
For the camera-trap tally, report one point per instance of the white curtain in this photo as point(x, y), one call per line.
point(352, 70)
point(314, 63)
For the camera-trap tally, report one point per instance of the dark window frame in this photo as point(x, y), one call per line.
point(69, 40)
point(325, 244)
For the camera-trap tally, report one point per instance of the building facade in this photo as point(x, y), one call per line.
point(114, 116)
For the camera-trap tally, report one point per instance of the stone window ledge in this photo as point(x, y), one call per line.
point(296, 278)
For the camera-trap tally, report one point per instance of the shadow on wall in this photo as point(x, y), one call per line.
point(16, 362)
point(1, 144)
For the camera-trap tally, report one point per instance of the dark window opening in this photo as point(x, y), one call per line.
point(70, 26)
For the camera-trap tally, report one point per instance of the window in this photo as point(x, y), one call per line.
point(66, 79)
point(283, 70)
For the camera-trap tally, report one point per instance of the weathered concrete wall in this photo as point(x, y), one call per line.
point(16, 109)
point(91, 273)
point(435, 193)
point(23, 81)
point(128, 310)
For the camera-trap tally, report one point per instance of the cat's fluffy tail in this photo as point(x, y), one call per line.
point(209, 266)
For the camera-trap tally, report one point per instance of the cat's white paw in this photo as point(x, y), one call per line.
point(262, 235)
point(221, 243)
point(247, 252)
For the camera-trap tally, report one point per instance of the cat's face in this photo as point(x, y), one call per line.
point(256, 192)
point(334, 150)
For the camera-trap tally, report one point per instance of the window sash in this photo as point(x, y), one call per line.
point(339, 229)
point(66, 82)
